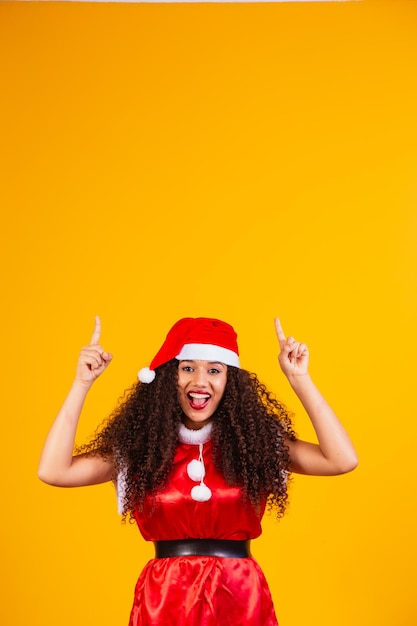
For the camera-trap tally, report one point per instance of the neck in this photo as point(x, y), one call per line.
point(195, 425)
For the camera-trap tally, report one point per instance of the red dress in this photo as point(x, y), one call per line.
point(200, 590)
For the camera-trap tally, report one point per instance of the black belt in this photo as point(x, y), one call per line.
point(202, 547)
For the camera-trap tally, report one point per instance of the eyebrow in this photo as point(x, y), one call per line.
point(209, 362)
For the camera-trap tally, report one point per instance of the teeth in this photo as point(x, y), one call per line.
point(199, 396)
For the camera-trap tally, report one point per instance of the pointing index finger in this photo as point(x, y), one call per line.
point(97, 332)
point(280, 332)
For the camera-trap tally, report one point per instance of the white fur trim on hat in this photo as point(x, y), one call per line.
point(208, 352)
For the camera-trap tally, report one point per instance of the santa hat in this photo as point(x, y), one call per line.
point(196, 338)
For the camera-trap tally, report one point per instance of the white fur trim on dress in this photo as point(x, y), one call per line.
point(208, 352)
point(195, 437)
point(121, 491)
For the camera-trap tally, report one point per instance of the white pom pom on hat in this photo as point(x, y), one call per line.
point(146, 375)
point(196, 338)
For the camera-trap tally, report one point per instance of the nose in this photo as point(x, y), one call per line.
point(200, 377)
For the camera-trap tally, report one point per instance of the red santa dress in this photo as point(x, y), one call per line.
point(200, 590)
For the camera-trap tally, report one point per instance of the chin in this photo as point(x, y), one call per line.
point(194, 423)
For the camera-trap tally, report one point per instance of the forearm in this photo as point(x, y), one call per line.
point(57, 454)
point(334, 443)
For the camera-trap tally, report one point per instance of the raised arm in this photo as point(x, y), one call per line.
point(57, 464)
point(334, 453)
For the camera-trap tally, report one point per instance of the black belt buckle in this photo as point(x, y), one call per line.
point(222, 548)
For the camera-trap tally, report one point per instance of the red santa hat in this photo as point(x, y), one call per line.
point(196, 338)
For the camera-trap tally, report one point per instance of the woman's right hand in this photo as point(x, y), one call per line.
point(58, 465)
point(93, 360)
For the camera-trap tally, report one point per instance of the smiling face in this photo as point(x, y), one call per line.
point(201, 385)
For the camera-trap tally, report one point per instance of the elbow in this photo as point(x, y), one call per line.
point(47, 477)
point(43, 476)
point(349, 464)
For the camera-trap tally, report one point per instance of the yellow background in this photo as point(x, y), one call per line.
point(237, 161)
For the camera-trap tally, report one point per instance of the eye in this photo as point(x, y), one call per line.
point(214, 370)
point(186, 368)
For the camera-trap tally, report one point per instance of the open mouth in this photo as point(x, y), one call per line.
point(198, 400)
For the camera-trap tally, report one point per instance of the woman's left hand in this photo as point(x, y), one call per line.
point(293, 357)
point(334, 453)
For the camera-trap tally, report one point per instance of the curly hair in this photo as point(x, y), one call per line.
point(250, 428)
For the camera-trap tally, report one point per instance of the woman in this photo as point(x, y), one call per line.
point(197, 450)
